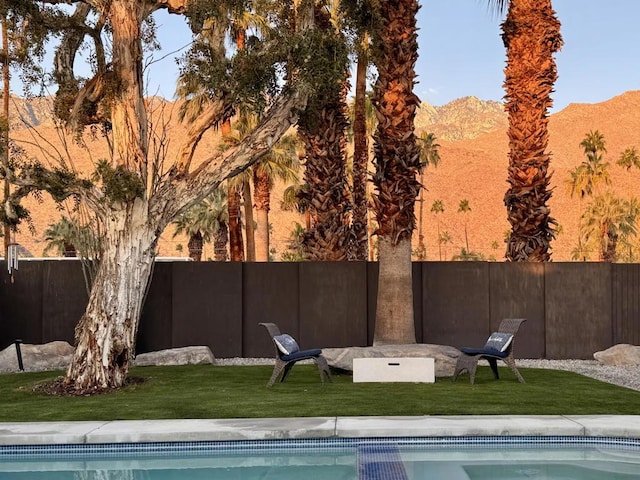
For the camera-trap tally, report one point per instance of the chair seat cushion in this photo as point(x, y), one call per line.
point(490, 352)
point(302, 355)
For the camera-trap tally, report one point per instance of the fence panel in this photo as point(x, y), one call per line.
point(517, 291)
point(578, 309)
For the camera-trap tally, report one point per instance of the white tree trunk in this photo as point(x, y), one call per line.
point(394, 310)
point(105, 335)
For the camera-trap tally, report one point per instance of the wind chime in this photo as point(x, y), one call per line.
point(12, 258)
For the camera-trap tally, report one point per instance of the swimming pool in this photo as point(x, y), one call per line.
point(400, 458)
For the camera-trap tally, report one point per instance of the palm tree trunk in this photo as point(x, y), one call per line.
point(220, 241)
point(248, 221)
point(236, 245)
point(262, 191)
point(397, 161)
point(322, 128)
point(531, 34)
point(360, 163)
point(195, 246)
point(395, 296)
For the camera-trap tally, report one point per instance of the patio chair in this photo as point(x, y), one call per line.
point(288, 353)
point(499, 346)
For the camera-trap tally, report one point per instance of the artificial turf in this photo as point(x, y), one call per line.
point(206, 391)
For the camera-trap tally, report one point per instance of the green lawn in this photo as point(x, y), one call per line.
point(206, 391)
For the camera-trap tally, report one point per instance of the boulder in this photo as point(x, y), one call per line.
point(36, 358)
point(621, 354)
point(176, 356)
point(445, 357)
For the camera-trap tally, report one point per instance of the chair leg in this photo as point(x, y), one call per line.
point(323, 368)
point(468, 363)
point(493, 363)
point(287, 369)
point(512, 365)
point(277, 368)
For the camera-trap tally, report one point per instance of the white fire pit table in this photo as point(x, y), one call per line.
point(409, 369)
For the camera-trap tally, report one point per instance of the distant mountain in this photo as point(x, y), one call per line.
point(473, 166)
point(32, 112)
point(461, 119)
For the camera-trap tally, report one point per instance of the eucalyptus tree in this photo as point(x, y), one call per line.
point(135, 193)
point(22, 50)
point(531, 35)
point(397, 164)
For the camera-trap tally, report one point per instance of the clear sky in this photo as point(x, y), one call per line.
point(461, 51)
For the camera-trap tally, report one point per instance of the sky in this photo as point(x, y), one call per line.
point(461, 51)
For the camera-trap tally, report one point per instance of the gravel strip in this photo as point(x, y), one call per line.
point(623, 375)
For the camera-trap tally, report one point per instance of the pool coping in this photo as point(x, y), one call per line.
point(193, 430)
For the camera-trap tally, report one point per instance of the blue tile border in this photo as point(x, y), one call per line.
point(242, 447)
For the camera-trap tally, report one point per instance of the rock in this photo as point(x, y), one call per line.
point(445, 357)
point(176, 356)
point(36, 358)
point(621, 354)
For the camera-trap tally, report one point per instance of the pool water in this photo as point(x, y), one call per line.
point(455, 458)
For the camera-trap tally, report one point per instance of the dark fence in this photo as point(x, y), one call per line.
point(573, 309)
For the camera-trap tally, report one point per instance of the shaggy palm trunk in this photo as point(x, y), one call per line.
point(105, 335)
point(360, 162)
point(324, 138)
point(220, 241)
point(397, 161)
point(195, 246)
point(236, 246)
point(531, 34)
point(262, 194)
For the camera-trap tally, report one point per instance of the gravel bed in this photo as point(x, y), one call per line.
point(623, 375)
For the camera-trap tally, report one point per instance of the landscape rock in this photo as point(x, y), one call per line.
point(36, 358)
point(621, 354)
point(445, 357)
point(198, 355)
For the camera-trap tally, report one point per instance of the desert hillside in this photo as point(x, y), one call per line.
point(473, 151)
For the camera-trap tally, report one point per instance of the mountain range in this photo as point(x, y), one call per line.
point(473, 148)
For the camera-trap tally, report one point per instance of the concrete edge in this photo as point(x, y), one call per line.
point(190, 430)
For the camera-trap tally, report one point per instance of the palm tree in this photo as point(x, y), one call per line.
point(397, 163)
point(322, 129)
point(586, 178)
point(607, 218)
point(280, 163)
point(429, 155)
point(444, 238)
point(199, 223)
point(437, 208)
point(60, 236)
point(531, 35)
point(464, 208)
